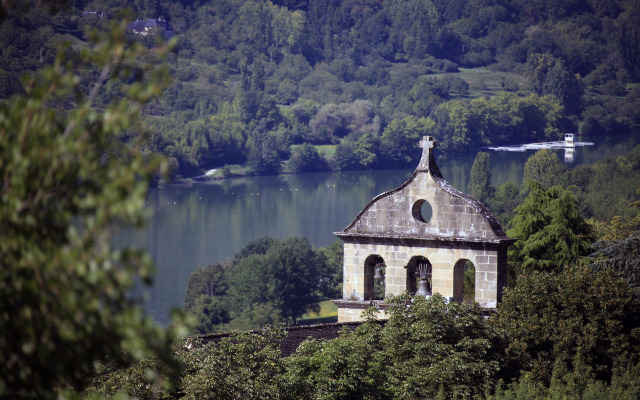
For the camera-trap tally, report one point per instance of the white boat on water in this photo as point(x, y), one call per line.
point(569, 144)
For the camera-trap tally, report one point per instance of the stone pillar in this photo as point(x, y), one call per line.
point(353, 274)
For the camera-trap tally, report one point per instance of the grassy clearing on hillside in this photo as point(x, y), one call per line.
point(328, 313)
point(483, 81)
point(486, 82)
point(325, 150)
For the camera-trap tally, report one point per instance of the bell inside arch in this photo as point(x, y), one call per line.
point(424, 272)
point(378, 274)
point(423, 288)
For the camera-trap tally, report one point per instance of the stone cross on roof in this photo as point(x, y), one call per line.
point(427, 143)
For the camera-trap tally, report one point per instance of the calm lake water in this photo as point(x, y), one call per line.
point(196, 225)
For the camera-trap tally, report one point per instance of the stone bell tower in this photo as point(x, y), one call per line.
point(425, 225)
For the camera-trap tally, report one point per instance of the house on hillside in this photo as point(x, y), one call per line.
point(418, 238)
point(149, 26)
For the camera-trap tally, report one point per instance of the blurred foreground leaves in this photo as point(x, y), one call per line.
point(67, 180)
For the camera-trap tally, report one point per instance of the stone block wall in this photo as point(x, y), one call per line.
point(347, 314)
point(445, 261)
point(453, 213)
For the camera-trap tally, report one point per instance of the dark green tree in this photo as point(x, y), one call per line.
point(259, 246)
point(545, 168)
point(469, 283)
point(480, 178)
point(579, 383)
point(398, 144)
point(548, 75)
point(551, 232)
point(416, 28)
point(211, 314)
point(306, 159)
point(431, 346)
point(346, 367)
point(207, 281)
point(227, 137)
point(628, 38)
point(427, 348)
point(206, 300)
point(356, 152)
point(426, 94)
point(505, 200)
point(263, 157)
point(287, 276)
point(256, 316)
point(9, 84)
point(622, 256)
point(331, 284)
point(245, 365)
point(287, 92)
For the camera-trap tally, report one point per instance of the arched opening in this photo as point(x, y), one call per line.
point(419, 269)
point(464, 281)
point(375, 271)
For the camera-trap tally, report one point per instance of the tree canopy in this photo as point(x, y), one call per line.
point(545, 168)
point(578, 319)
point(269, 281)
point(573, 332)
point(480, 178)
point(551, 232)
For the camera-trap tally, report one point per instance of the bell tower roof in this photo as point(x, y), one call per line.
point(426, 207)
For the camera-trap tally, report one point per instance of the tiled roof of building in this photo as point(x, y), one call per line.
point(295, 335)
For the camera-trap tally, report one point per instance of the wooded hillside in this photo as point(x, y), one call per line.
point(358, 79)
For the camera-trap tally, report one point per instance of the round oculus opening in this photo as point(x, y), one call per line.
point(422, 210)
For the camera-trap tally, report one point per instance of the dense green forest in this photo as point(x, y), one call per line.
point(358, 80)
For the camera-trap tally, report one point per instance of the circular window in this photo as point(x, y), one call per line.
point(422, 210)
